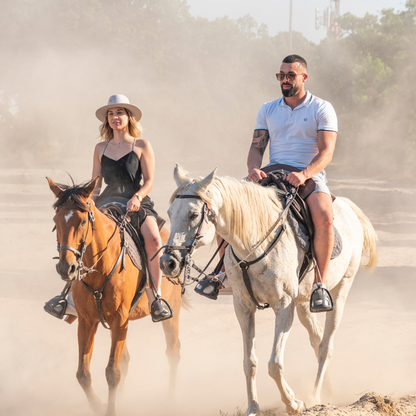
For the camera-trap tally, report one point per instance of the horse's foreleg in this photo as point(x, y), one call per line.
point(112, 372)
point(124, 367)
point(173, 344)
point(284, 321)
point(86, 334)
point(246, 319)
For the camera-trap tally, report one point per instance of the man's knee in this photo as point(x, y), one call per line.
point(320, 206)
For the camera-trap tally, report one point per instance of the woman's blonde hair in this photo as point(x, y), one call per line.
point(135, 128)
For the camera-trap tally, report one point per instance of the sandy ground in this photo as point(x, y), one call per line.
point(375, 347)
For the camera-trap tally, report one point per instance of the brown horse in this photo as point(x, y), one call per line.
point(77, 221)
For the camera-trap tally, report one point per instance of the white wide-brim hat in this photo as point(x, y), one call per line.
point(118, 100)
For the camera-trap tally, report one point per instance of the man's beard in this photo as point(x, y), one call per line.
point(291, 92)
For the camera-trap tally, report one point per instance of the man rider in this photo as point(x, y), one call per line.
point(302, 131)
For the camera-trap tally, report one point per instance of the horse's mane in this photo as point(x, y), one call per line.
point(250, 210)
point(75, 194)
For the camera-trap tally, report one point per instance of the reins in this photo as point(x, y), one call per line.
point(244, 264)
point(187, 262)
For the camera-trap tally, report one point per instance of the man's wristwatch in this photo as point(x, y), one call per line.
point(139, 196)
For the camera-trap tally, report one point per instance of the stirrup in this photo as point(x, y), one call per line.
point(56, 306)
point(208, 288)
point(160, 310)
point(321, 301)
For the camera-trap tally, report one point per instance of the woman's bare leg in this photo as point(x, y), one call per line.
point(152, 243)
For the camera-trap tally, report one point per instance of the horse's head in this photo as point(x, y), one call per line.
point(192, 220)
point(74, 222)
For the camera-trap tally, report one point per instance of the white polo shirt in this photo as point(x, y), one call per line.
point(294, 133)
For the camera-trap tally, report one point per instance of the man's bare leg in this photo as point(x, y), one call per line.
point(320, 206)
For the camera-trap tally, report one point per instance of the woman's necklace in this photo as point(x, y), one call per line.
point(117, 144)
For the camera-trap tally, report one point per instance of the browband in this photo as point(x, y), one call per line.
point(188, 196)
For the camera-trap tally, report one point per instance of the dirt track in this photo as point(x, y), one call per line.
point(374, 347)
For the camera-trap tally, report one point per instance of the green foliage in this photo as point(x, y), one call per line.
point(188, 71)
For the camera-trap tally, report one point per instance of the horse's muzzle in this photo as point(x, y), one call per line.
point(170, 266)
point(67, 271)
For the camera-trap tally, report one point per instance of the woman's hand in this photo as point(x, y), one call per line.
point(133, 204)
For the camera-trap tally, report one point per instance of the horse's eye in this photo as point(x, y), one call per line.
point(193, 216)
point(83, 222)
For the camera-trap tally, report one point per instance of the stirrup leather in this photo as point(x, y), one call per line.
point(56, 306)
point(208, 288)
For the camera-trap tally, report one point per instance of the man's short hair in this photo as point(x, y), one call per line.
point(291, 59)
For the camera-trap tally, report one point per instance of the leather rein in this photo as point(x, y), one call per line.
point(98, 294)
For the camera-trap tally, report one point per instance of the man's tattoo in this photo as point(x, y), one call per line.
point(260, 140)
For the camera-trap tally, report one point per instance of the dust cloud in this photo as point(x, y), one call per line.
point(201, 122)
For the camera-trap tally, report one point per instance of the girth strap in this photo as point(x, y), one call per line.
point(244, 265)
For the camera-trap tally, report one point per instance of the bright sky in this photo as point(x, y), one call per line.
point(275, 13)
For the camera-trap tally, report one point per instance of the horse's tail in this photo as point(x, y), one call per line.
point(186, 302)
point(370, 237)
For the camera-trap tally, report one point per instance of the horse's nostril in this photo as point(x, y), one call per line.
point(72, 269)
point(172, 264)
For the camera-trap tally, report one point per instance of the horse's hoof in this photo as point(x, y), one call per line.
point(297, 406)
point(253, 410)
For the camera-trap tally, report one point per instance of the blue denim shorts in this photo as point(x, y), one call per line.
point(321, 186)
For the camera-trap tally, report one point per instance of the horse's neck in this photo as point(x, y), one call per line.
point(224, 231)
point(228, 234)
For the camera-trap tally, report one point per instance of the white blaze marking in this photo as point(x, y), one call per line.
point(67, 217)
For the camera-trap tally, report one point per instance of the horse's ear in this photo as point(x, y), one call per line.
point(56, 189)
point(179, 174)
point(203, 184)
point(90, 187)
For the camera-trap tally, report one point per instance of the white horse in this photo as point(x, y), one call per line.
point(242, 212)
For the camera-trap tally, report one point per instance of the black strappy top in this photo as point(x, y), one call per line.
point(123, 178)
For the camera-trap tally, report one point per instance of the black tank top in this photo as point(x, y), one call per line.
point(123, 176)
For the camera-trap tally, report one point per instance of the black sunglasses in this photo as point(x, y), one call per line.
point(291, 76)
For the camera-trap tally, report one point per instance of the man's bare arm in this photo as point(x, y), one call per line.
point(255, 155)
point(326, 147)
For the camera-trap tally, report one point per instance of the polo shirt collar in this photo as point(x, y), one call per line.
point(305, 103)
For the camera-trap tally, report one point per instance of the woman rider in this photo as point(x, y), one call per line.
point(123, 159)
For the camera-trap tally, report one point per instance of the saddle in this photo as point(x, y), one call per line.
point(131, 238)
point(299, 217)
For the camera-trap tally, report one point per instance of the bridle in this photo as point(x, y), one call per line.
point(186, 262)
point(80, 253)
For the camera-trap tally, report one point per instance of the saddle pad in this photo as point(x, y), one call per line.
point(298, 216)
point(303, 240)
point(133, 251)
